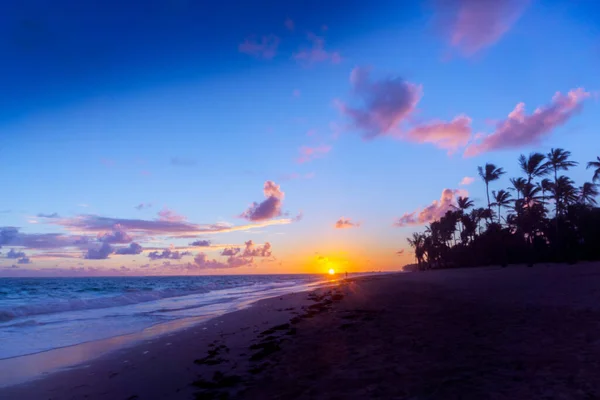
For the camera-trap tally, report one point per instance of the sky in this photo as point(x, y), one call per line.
point(180, 137)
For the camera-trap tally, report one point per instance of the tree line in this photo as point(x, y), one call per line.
point(542, 217)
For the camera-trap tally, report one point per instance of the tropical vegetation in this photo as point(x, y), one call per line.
point(542, 217)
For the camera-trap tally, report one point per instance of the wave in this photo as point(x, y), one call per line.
point(129, 296)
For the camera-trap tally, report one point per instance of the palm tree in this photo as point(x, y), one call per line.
point(518, 185)
point(533, 166)
point(588, 193)
point(564, 192)
point(545, 186)
point(558, 160)
point(595, 164)
point(501, 199)
point(417, 242)
point(490, 173)
point(464, 203)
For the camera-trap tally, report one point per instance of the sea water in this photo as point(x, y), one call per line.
point(41, 314)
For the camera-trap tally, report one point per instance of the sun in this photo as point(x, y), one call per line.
point(331, 271)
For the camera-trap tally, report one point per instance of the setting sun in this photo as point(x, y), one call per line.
point(331, 271)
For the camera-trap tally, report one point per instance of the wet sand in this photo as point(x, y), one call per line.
point(485, 333)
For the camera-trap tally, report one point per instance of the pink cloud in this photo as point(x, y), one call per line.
point(520, 129)
point(170, 216)
point(310, 153)
point(268, 208)
point(201, 261)
point(230, 251)
point(289, 24)
point(467, 180)
point(386, 103)
point(344, 223)
point(445, 135)
point(265, 48)
point(317, 52)
point(434, 211)
point(116, 236)
point(252, 250)
point(476, 24)
point(94, 224)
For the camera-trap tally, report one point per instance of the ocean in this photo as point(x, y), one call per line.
point(41, 314)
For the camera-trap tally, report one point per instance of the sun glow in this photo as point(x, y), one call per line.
point(331, 271)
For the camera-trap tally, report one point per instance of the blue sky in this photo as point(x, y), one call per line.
point(194, 109)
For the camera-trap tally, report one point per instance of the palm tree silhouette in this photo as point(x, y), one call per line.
point(533, 166)
point(463, 203)
point(595, 164)
point(490, 173)
point(518, 185)
point(501, 199)
point(417, 242)
point(558, 160)
point(565, 193)
point(587, 193)
point(545, 186)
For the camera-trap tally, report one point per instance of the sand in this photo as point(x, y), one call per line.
point(484, 333)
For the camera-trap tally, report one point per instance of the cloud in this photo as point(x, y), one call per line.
point(24, 260)
point(310, 153)
point(93, 224)
point(118, 235)
point(141, 206)
point(265, 48)
point(12, 253)
point(133, 248)
point(268, 208)
point(386, 103)
point(251, 250)
point(182, 162)
point(344, 223)
point(230, 251)
point(55, 255)
point(445, 135)
point(467, 180)
point(434, 211)
point(520, 129)
point(316, 53)
point(289, 24)
point(201, 261)
point(476, 24)
point(11, 236)
point(201, 243)
point(299, 216)
point(296, 93)
point(53, 215)
point(100, 253)
point(168, 254)
point(8, 234)
point(170, 216)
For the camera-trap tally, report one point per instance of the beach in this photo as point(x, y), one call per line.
point(477, 333)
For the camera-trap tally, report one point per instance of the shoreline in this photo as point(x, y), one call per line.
point(484, 333)
point(17, 370)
